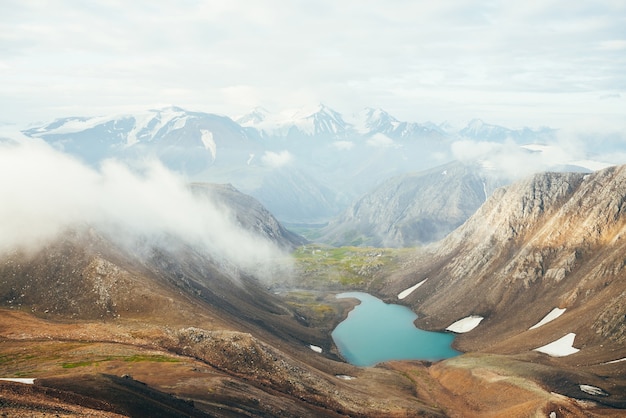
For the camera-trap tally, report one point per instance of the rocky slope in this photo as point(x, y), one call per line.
point(414, 209)
point(250, 214)
point(161, 325)
point(82, 312)
point(552, 241)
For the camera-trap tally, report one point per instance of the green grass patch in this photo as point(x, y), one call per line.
point(321, 266)
point(16, 357)
point(157, 358)
point(153, 358)
point(81, 364)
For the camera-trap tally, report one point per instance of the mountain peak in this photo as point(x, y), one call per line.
point(321, 108)
point(170, 108)
point(378, 119)
point(256, 116)
point(476, 124)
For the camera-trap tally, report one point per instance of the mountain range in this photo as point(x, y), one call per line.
point(541, 261)
point(161, 327)
point(321, 159)
point(414, 209)
point(150, 315)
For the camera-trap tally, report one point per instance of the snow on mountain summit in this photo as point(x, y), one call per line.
point(141, 126)
point(372, 121)
point(319, 121)
point(183, 140)
point(376, 120)
point(256, 117)
point(477, 129)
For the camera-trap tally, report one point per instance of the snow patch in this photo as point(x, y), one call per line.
point(616, 361)
point(538, 147)
point(410, 290)
point(18, 380)
point(179, 123)
point(209, 142)
point(303, 119)
point(315, 348)
point(562, 347)
point(551, 316)
point(344, 377)
point(466, 324)
point(593, 390)
point(72, 125)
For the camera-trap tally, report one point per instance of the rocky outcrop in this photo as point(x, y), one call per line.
point(553, 240)
point(84, 303)
point(249, 213)
point(414, 209)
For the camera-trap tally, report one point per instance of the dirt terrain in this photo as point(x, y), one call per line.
point(130, 369)
point(168, 330)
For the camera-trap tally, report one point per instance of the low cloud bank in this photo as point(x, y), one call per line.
point(508, 158)
point(380, 141)
point(43, 192)
point(277, 159)
point(515, 161)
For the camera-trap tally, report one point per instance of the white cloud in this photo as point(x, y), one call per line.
point(419, 59)
point(44, 192)
point(380, 141)
point(468, 150)
point(513, 161)
point(277, 159)
point(613, 45)
point(343, 145)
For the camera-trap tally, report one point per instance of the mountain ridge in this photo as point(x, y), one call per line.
point(414, 209)
point(555, 240)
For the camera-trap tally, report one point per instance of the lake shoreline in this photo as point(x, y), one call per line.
point(375, 331)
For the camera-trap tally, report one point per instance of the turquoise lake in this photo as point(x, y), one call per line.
point(375, 331)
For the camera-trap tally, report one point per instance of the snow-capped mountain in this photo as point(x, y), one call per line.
point(183, 140)
point(127, 129)
point(320, 122)
point(305, 165)
point(479, 130)
point(372, 121)
point(324, 122)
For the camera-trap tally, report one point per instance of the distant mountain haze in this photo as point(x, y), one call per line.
point(131, 244)
point(305, 165)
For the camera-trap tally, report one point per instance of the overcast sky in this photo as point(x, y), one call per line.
point(533, 62)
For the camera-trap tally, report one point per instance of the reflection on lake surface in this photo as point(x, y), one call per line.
point(375, 332)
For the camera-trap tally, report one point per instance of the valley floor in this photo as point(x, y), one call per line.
point(126, 368)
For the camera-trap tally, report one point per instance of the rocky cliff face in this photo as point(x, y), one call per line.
point(250, 214)
point(414, 209)
point(554, 240)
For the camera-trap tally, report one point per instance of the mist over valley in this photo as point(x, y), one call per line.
point(144, 247)
point(313, 209)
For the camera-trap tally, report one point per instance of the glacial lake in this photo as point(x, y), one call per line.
point(375, 331)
